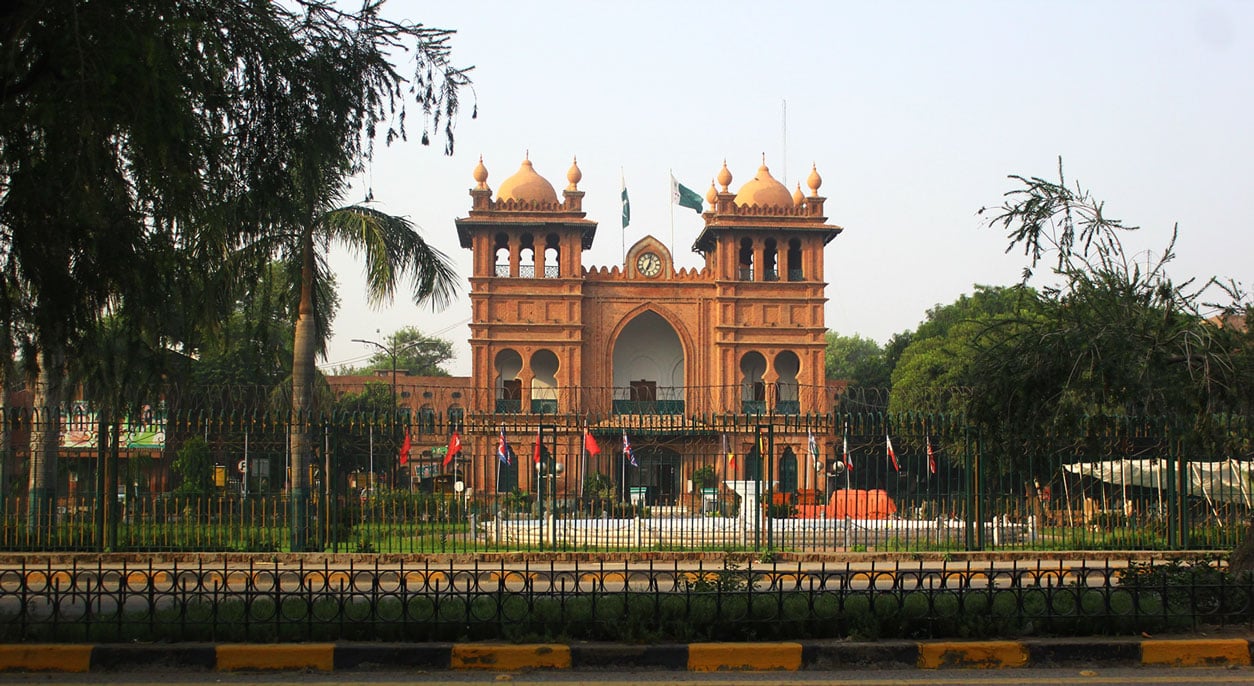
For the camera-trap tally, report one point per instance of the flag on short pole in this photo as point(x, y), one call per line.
point(685, 197)
point(502, 447)
point(590, 443)
point(627, 452)
point(931, 456)
point(626, 206)
point(454, 447)
point(731, 456)
point(405, 446)
point(813, 446)
point(535, 450)
point(845, 450)
point(892, 455)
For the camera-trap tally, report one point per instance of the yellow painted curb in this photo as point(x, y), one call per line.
point(36, 657)
point(510, 657)
point(319, 656)
point(977, 654)
point(720, 657)
point(1193, 653)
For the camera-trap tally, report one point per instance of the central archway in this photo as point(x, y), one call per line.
point(648, 367)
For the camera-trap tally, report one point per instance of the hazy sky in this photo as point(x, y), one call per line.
point(914, 112)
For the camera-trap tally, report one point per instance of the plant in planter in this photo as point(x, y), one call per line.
point(704, 477)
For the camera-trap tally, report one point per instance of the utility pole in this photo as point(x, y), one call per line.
point(392, 351)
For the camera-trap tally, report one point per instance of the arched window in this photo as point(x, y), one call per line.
point(770, 261)
point(552, 256)
point(787, 392)
point(544, 383)
point(745, 270)
point(752, 388)
point(526, 257)
point(426, 419)
point(456, 419)
point(753, 464)
point(788, 471)
point(508, 364)
point(795, 272)
point(501, 252)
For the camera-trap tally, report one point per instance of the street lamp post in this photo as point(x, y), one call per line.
point(392, 352)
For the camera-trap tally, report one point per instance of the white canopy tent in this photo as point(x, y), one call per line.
point(1228, 481)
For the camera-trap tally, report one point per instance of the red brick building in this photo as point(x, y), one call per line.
point(687, 362)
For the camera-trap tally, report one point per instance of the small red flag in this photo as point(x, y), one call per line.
point(891, 454)
point(931, 456)
point(535, 453)
point(590, 443)
point(454, 447)
point(405, 449)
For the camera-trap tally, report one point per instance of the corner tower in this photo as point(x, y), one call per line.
point(526, 288)
point(764, 248)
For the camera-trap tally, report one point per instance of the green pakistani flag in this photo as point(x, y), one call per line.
point(626, 207)
point(685, 196)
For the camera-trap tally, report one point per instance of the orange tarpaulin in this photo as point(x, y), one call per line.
point(852, 504)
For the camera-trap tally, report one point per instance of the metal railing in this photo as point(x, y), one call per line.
point(732, 599)
point(802, 482)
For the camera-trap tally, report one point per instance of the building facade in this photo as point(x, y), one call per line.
point(683, 364)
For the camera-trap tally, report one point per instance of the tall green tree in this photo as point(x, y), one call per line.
point(855, 359)
point(1109, 337)
point(934, 370)
point(416, 354)
point(203, 124)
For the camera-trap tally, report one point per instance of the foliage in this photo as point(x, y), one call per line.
point(704, 477)
point(253, 342)
point(416, 354)
point(193, 464)
point(365, 423)
point(1107, 339)
point(857, 360)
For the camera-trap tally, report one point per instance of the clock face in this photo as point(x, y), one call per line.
point(649, 264)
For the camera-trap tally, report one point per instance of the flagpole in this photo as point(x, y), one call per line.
point(622, 180)
point(671, 192)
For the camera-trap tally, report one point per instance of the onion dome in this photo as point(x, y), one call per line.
point(481, 175)
point(797, 198)
point(724, 176)
point(526, 186)
point(814, 181)
point(764, 190)
point(711, 196)
point(573, 175)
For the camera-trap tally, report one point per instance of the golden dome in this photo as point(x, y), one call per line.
point(724, 176)
point(797, 198)
point(814, 181)
point(573, 175)
point(711, 196)
point(764, 190)
point(481, 175)
point(526, 186)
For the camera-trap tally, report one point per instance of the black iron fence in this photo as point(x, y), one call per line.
point(728, 599)
point(837, 481)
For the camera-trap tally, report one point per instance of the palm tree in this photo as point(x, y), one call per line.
point(392, 250)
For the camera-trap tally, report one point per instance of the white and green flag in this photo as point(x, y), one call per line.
point(685, 197)
point(626, 206)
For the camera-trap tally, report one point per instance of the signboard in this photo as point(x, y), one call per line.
point(146, 431)
point(241, 466)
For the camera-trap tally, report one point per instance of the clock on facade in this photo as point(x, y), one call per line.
point(649, 264)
